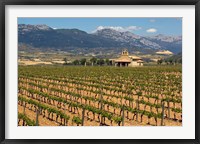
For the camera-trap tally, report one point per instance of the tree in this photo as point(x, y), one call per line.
point(93, 60)
point(166, 61)
point(100, 61)
point(83, 61)
point(107, 62)
point(170, 61)
point(65, 59)
point(159, 61)
point(76, 62)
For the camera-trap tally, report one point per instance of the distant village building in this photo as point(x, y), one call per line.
point(127, 61)
point(165, 52)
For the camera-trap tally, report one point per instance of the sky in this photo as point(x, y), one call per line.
point(140, 26)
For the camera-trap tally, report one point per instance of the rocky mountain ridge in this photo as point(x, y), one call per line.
point(43, 36)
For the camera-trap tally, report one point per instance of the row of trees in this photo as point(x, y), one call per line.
point(169, 61)
point(92, 61)
point(175, 59)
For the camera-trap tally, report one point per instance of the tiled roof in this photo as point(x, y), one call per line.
point(135, 57)
point(123, 59)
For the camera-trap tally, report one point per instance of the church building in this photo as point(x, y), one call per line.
point(127, 61)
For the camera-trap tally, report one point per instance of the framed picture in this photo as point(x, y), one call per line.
point(99, 72)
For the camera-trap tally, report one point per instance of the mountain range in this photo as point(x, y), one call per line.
point(43, 37)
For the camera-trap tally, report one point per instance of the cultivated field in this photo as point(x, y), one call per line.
point(94, 96)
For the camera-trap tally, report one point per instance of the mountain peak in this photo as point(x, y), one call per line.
point(28, 27)
point(107, 30)
point(117, 35)
point(43, 27)
point(165, 38)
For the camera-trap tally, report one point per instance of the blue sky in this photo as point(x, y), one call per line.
point(140, 26)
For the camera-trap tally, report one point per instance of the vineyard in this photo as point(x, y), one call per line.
point(99, 96)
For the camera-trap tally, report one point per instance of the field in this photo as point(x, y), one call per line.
point(99, 96)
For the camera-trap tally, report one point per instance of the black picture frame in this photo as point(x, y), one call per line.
point(3, 4)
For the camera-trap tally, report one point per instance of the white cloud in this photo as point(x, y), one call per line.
point(152, 20)
point(151, 30)
point(118, 28)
